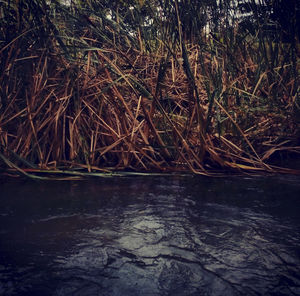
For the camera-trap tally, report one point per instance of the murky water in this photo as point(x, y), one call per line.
point(150, 236)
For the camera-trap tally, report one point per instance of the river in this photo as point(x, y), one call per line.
point(150, 236)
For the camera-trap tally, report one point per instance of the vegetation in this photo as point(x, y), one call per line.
point(148, 86)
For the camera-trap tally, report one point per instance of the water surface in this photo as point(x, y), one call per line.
point(150, 236)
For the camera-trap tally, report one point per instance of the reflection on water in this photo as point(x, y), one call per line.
point(150, 236)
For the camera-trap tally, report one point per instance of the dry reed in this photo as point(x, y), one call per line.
point(117, 107)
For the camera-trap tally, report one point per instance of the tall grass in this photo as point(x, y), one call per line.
point(107, 85)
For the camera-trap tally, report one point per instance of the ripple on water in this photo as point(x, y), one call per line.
point(170, 239)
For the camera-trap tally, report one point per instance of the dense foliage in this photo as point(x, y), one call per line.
point(149, 85)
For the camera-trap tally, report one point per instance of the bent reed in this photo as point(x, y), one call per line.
point(95, 89)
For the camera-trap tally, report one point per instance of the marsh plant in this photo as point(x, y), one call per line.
point(152, 86)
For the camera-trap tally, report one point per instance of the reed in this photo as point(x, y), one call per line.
point(115, 87)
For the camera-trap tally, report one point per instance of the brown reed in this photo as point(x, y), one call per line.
point(186, 107)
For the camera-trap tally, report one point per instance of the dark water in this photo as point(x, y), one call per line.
point(150, 236)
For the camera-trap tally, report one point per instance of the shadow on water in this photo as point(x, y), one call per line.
point(150, 236)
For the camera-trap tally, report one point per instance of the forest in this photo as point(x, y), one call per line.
point(149, 86)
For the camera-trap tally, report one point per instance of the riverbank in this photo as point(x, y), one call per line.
point(103, 100)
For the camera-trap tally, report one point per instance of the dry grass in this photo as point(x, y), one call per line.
point(114, 108)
